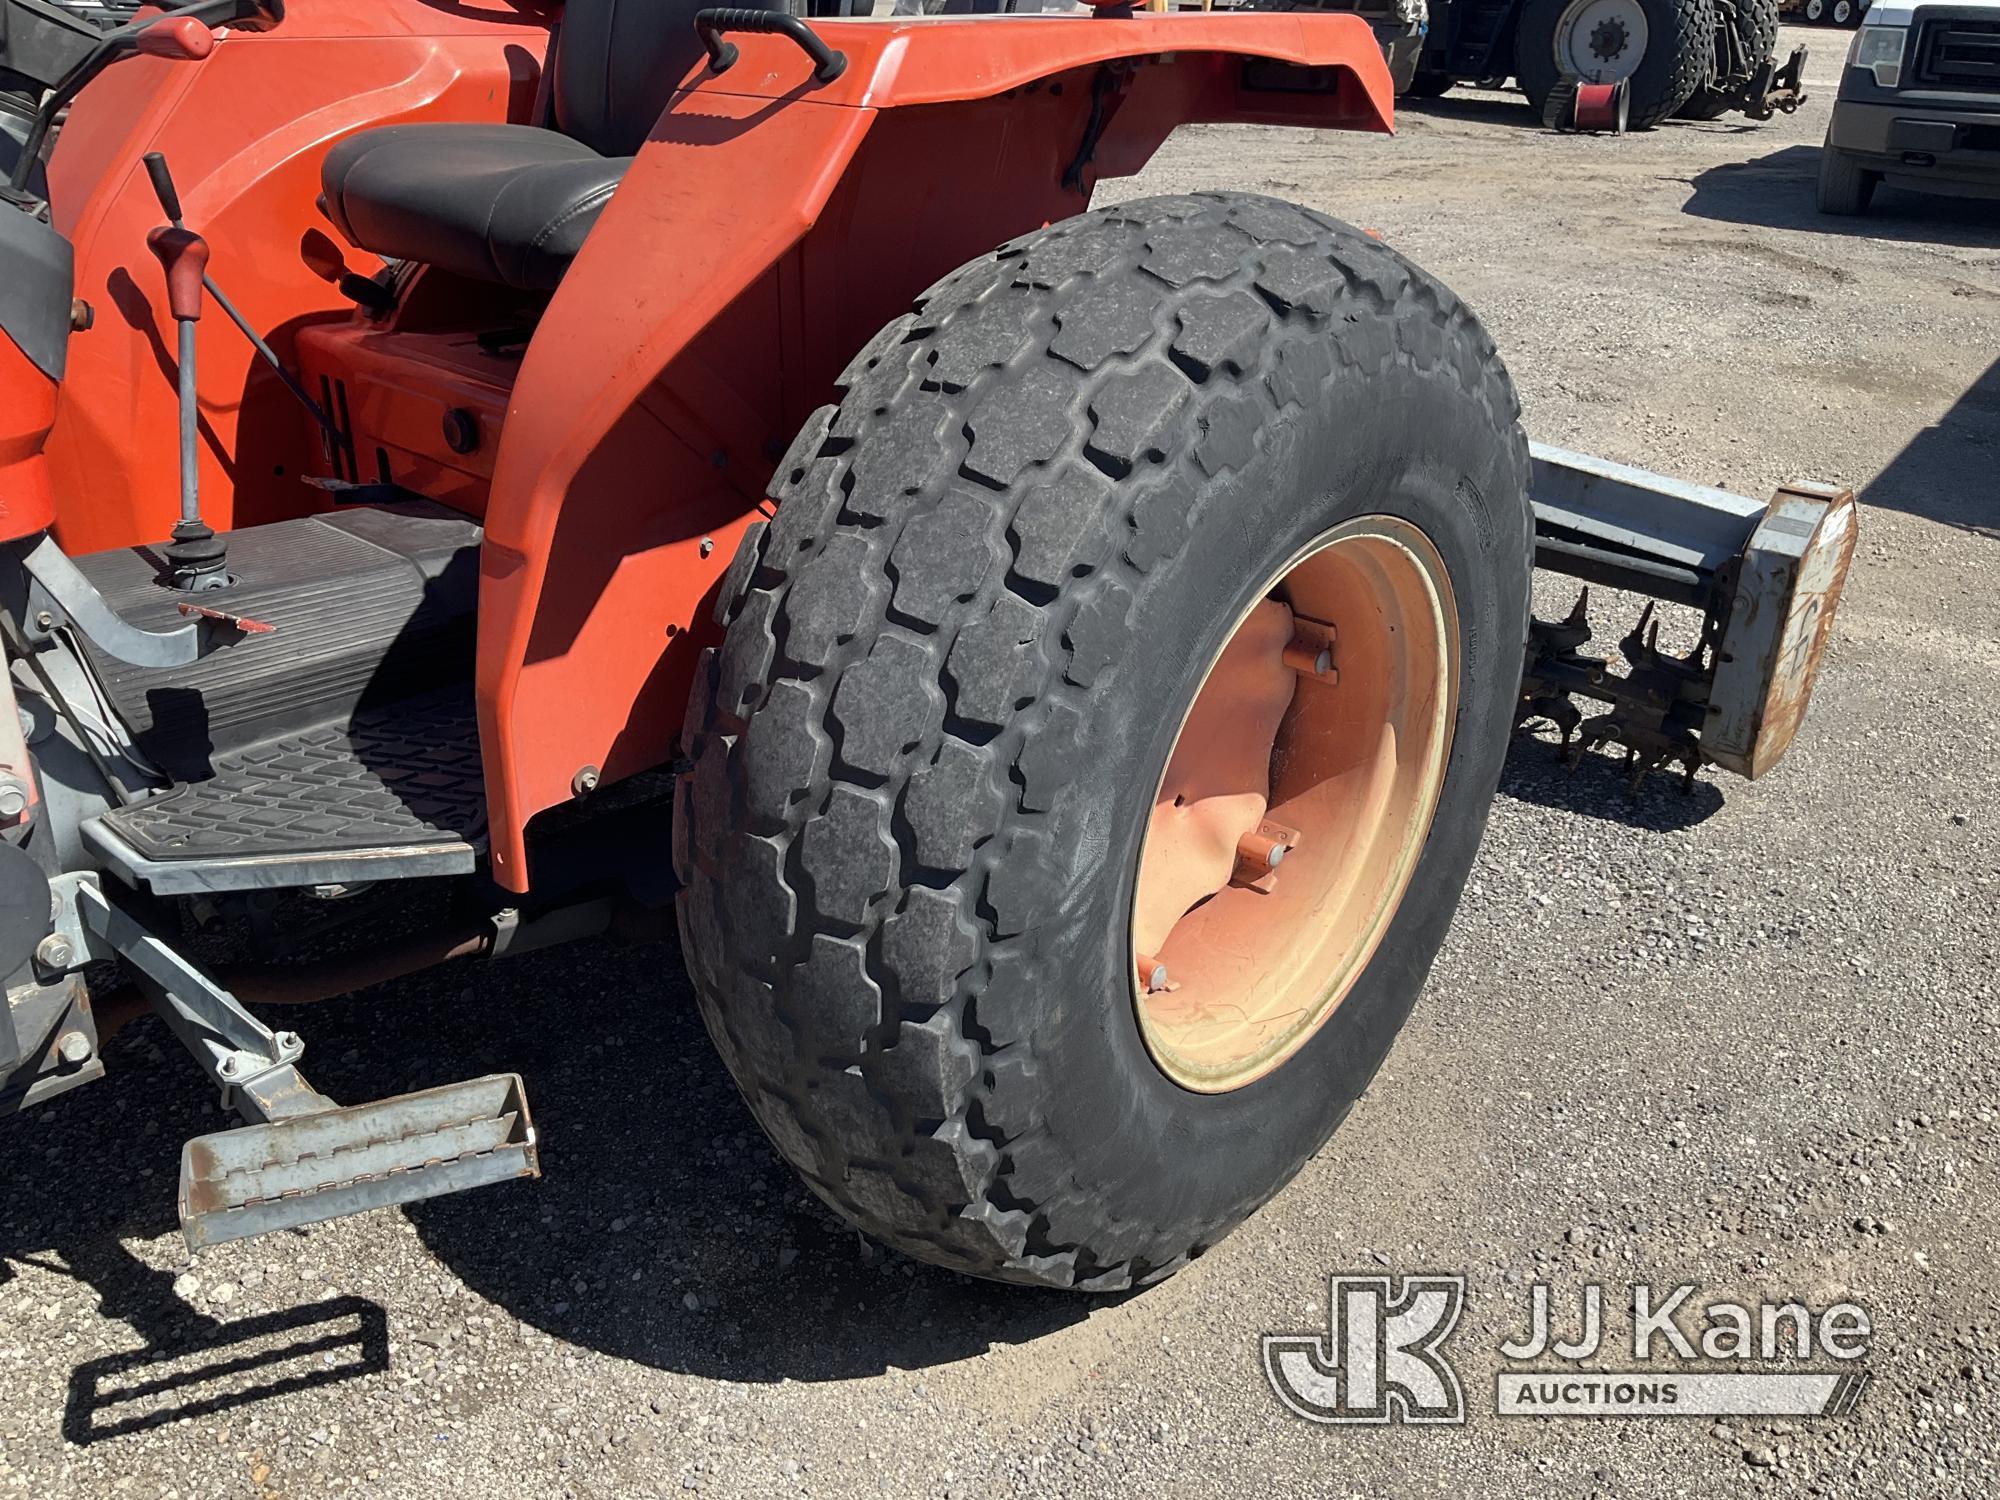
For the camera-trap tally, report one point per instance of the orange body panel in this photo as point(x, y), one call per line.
point(390, 393)
point(767, 229)
point(27, 502)
point(244, 130)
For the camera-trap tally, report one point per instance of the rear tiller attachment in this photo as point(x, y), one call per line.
point(1766, 579)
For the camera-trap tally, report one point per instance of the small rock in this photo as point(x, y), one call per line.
point(222, 1291)
point(1760, 1458)
point(691, 1302)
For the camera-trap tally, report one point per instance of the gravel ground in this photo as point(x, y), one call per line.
point(1745, 1037)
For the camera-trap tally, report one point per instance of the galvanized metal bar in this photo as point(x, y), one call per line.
point(238, 1183)
point(190, 425)
point(252, 1065)
point(1617, 513)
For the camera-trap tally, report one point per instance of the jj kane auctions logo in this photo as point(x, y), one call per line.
point(1382, 1358)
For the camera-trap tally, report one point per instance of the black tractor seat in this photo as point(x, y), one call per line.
point(505, 203)
point(513, 203)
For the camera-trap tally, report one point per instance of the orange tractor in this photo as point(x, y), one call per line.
point(473, 478)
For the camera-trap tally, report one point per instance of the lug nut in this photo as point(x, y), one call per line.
point(1259, 853)
point(1310, 653)
point(1307, 661)
point(1261, 850)
point(1153, 976)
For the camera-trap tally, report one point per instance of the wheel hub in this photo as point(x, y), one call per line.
point(1294, 804)
point(1601, 41)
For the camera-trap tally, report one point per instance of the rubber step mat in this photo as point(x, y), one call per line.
point(280, 1175)
point(367, 606)
point(400, 779)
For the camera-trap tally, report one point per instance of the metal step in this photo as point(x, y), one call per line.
point(308, 1168)
point(397, 791)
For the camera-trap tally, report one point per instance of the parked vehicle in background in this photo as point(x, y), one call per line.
point(1695, 58)
point(1919, 105)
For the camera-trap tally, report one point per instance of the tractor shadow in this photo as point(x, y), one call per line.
point(1598, 786)
point(1776, 191)
point(665, 1228)
point(93, 1171)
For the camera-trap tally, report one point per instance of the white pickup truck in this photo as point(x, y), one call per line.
point(1919, 105)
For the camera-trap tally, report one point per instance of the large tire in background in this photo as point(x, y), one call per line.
point(1755, 26)
point(926, 755)
point(1664, 47)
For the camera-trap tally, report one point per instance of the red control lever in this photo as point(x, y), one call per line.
point(181, 37)
point(184, 257)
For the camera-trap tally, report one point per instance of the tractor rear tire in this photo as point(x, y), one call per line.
point(956, 661)
point(1677, 60)
point(1755, 23)
point(1429, 85)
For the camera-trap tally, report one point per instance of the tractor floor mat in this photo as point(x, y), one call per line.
point(366, 606)
point(396, 791)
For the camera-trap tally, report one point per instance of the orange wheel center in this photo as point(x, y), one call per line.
point(1294, 804)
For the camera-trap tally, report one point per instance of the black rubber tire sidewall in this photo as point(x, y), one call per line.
point(1679, 55)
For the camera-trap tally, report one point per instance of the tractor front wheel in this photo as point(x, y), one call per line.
point(1105, 725)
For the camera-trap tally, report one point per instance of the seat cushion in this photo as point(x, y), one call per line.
point(506, 203)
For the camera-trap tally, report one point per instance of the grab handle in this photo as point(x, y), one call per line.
point(711, 24)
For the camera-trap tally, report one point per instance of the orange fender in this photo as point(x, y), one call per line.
point(768, 228)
